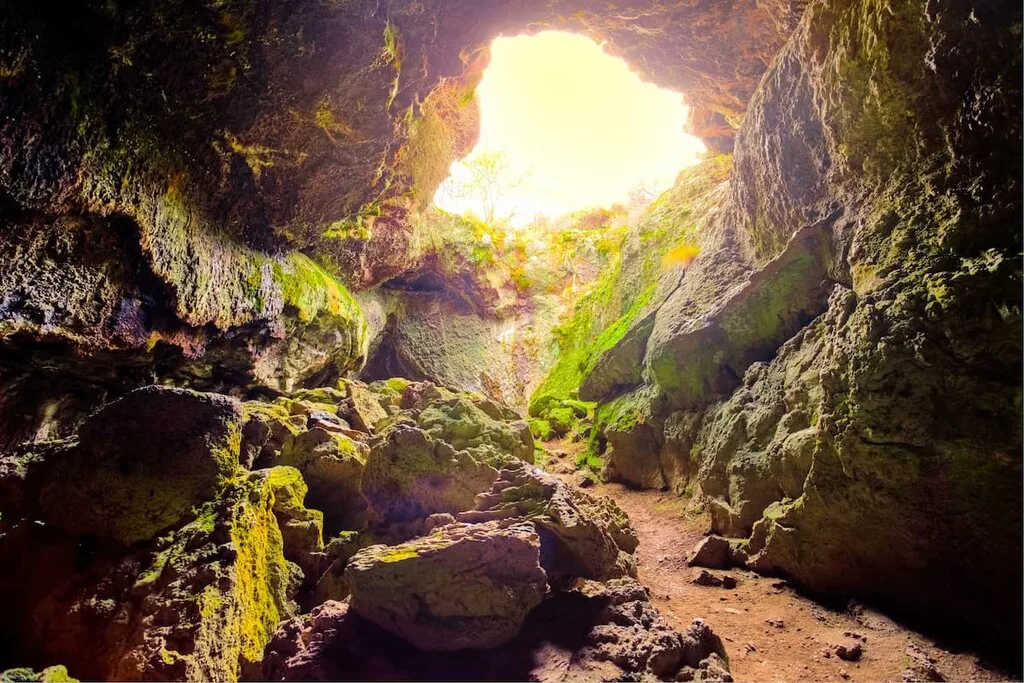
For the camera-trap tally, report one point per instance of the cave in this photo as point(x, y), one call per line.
point(267, 412)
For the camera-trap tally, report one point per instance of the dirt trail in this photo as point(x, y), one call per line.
point(771, 632)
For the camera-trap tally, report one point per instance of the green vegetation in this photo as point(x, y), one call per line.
point(627, 286)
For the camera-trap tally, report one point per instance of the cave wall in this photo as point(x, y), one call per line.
point(849, 401)
point(188, 190)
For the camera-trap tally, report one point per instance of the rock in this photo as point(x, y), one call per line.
point(614, 630)
point(922, 667)
point(301, 528)
point(266, 427)
point(51, 674)
point(365, 411)
point(416, 395)
point(198, 603)
point(459, 422)
point(463, 586)
point(299, 648)
point(702, 577)
point(729, 582)
point(333, 466)
point(849, 651)
point(410, 475)
point(143, 463)
point(582, 536)
point(711, 552)
point(631, 634)
point(632, 428)
point(775, 622)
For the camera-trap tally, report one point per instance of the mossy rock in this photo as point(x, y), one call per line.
point(143, 463)
point(463, 586)
point(51, 674)
point(462, 424)
point(410, 474)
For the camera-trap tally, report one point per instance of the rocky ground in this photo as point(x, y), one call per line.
point(181, 535)
point(771, 631)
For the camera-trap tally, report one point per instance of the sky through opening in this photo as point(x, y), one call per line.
point(575, 125)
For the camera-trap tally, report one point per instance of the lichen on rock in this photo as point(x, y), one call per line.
point(463, 586)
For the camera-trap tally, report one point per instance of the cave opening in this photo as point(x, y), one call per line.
point(566, 127)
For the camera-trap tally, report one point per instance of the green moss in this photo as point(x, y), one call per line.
point(51, 674)
point(262, 577)
point(311, 290)
point(541, 429)
point(613, 304)
point(397, 554)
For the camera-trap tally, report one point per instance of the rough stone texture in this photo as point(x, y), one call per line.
point(333, 466)
point(302, 530)
point(593, 632)
point(142, 463)
point(410, 475)
point(711, 552)
point(463, 586)
point(466, 426)
point(161, 208)
point(51, 674)
point(581, 536)
point(872, 220)
point(437, 336)
point(197, 603)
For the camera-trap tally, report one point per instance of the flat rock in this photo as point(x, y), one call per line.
point(463, 586)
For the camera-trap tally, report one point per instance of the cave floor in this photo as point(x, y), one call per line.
point(770, 631)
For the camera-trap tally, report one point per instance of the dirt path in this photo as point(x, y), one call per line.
point(771, 633)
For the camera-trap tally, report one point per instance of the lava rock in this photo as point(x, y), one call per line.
point(582, 536)
point(463, 586)
point(143, 463)
point(711, 552)
point(410, 474)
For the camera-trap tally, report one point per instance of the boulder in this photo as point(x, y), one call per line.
point(51, 674)
point(466, 426)
point(712, 552)
point(332, 466)
point(632, 634)
point(463, 586)
point(409, 475)
point(362, 408)
point(582, 536)
point(301, 528)
point(197, 603)
point(266, 427)
point(143, 463)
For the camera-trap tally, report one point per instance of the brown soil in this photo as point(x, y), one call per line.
point(771, 633)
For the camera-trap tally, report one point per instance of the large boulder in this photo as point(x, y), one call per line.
point(463, 586)
point(197, 603)
point(582, 536)
point(410, 474)
point(466, 426)
point(332, 465)
point(143, 463)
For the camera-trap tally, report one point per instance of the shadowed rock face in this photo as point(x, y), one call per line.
point(166, 161)
point(187, 192)
point(849, 403)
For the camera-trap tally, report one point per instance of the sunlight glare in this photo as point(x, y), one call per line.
point(576, 125)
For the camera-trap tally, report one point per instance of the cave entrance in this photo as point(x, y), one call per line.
point(566, 127)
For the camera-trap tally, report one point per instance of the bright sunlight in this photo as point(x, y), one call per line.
point(568, 127)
